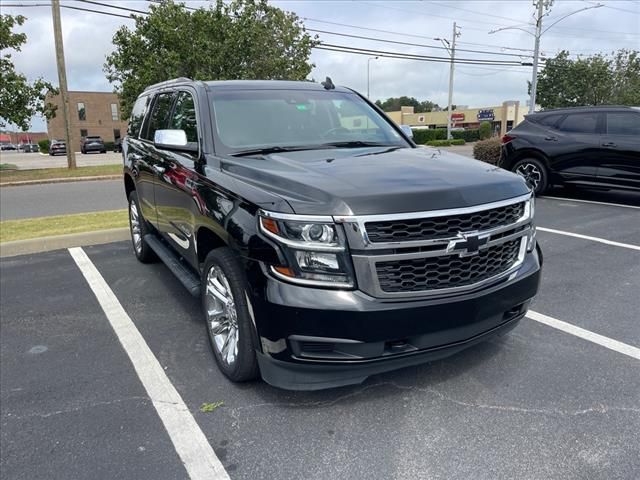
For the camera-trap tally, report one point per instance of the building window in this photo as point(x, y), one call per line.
point(82, 112)
point(116, 134)
point(83, 133)
point(114, 112)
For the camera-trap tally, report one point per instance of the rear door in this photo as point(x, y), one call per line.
point(576, 156)
point(620, 158)
point(152, 159)
point(177, 198)
point(134, 155)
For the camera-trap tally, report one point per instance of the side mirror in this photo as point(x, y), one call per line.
point(406, 129)
point(173, 140)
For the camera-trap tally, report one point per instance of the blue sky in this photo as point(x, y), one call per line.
point(88, 36)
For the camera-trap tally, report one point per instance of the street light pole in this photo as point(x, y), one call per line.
point(368, 72)
point(536, 52)
point(62, 80)
point(453, 55)
point(539, 4)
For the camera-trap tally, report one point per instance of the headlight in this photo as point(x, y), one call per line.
point(315, 249)
point(531, 241)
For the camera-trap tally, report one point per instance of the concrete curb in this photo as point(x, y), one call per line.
point(57, 242)
point(60, 180)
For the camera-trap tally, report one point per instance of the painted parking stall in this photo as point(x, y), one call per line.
point(556, 398)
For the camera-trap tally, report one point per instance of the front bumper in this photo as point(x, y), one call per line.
point(94, 148)
point(313, 339)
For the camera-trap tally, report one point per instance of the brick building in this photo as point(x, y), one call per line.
point(92, 113)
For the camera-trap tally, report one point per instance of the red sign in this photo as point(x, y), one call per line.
point(457, 116)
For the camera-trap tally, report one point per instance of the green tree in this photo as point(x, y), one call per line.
point(19, 99)
point(485, 130)
point(393, 104)
point(595, 80)
point(242, 39)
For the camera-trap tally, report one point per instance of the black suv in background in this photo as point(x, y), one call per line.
point(584, 146)
point(57, 147)
point(324, 245)
point(92, 144)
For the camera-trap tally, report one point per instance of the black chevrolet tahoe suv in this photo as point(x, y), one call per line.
point(324, 245)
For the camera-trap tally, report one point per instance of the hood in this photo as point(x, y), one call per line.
point(385, 180)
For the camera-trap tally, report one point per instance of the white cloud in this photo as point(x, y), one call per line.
point(88, 37)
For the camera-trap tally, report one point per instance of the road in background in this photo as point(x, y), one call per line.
point(29, 161)
point(61, 198)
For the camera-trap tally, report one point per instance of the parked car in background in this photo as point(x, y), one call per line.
point(584, 146)
point(8, 146)
point(29, 148)
point(92, 144)
point(117, 145)
point(322, 252)
point(57, 147)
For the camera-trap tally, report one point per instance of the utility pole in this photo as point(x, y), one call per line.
point(453, 55)
point(62, 80)
point(536, 52)
point(368, 75)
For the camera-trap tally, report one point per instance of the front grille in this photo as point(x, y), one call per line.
point(446, 271)
point(443, 227)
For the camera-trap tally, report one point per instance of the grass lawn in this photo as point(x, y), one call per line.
point(45, 173)
point(61, 224)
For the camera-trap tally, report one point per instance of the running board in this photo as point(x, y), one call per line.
point(186, 276)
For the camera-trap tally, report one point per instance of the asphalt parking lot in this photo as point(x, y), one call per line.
point(538, 403)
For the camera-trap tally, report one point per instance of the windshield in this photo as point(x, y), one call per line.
point(255, 119)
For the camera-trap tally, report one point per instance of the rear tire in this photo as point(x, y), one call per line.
point(534, 172)
point(139, 227)
point(229, 325)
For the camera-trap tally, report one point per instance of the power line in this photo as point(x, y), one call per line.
point(118, 7)
point(483, 52)
point(409, 56)
point(475, 12)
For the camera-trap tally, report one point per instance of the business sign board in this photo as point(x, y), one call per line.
point(486, 115)
point(457, 117)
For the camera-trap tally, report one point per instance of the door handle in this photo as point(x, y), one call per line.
point(551, 139)
point(609, 144)
point(159, 169)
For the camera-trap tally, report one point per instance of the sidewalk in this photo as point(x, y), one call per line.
point(28, 161)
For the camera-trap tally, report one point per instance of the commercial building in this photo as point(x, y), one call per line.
point(18, 138)
point(92, 113)
point(503, 118)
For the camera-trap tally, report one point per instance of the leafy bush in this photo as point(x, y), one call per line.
point(44, 145)
point(484, 130)
point(445, 143)
point(422, 136)
point(470, 135)
point(108, 146)
point(488, 150)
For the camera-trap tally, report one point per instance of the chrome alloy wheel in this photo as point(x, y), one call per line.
point(136, 232)
point(222, 317)
point(531, 173)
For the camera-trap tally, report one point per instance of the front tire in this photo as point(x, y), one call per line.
point(139, 227)
point(534, 172)
point(229, 325)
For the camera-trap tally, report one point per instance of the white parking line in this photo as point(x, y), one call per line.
point(189, 441)
point(606, 342)
point(592, 201)
point(586, 237)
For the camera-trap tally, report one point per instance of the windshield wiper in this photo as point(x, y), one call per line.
point(276, 149)
point(360, 143)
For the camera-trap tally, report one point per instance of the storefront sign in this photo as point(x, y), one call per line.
point(486, 115)
point(457, 117)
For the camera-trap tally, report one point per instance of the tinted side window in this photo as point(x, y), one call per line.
point(550, 120)
point(184, 117)
point(580, 123)
point(137, 116)
point(623, 124)
point(158, 116)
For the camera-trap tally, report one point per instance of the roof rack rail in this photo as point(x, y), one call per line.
point(168, 82)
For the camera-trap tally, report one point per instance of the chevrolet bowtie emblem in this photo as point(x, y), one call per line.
point(467, 244)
